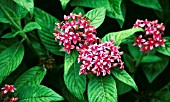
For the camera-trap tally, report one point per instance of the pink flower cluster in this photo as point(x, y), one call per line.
point(74, 31)
point(152, 36)
point(99, 58)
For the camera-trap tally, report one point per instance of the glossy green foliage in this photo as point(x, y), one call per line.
point(32, 60)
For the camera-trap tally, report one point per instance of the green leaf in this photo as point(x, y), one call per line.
point(113, 7)
point(69, 60)
point(11, 34)
point(64, 3)
point(152, 52)
point(2, 47)
point(3, 19)
point(164, 14)
point(136, 53)
point(75, 83)
point(119, 36)
point(152, 70)
point(49, 42)
point(22, 12)
point(123, 9)
point(33, 76)
point(102, 89)
point(96, 16)
point(15, 74)
point(7, 11)
point(45, 20)
point(124, 77)
point(47, 23)
point(162, 95)
point(67, 95)
point(31, 26)
point(122, 88)
point(10, 59)
point(129, 62)
point(77, 10)
point(15, 11)
point(38, 46)
point(150, 58)
point(37, 93)
point(27, 4)
point(8, 35)
point(153, 4)
point(165, 50)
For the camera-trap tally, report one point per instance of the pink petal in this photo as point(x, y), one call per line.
point(143, 40)
point(134, 44)
point(98, 73)
point(156, 44)
point(151, 47)
point(68, 51)
point(163, 45)
point(72, 47)
point(74, 41)
point(104, 73)
point(5, 91)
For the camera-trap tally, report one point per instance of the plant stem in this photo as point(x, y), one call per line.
point(28, 42)
point(9, 18)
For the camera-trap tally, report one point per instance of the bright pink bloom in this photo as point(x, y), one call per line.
point(100, 58)
point(75, 31)
point(151, 42)
point(145, 48)
point(97, 71)
point(68, 47)
point(161, 42)
point(7, 88)
point(157, 35)
point(139, 41)
point(106, 70)
point(152, 36)
point(75, 38)
point(139, 23)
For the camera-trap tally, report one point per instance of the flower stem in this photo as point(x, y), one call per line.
point(28, 42)
point(9, 18)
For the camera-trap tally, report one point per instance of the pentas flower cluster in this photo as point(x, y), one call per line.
point(99, 58)
point(152, 36)
point(5, 90)
point(74, 31)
